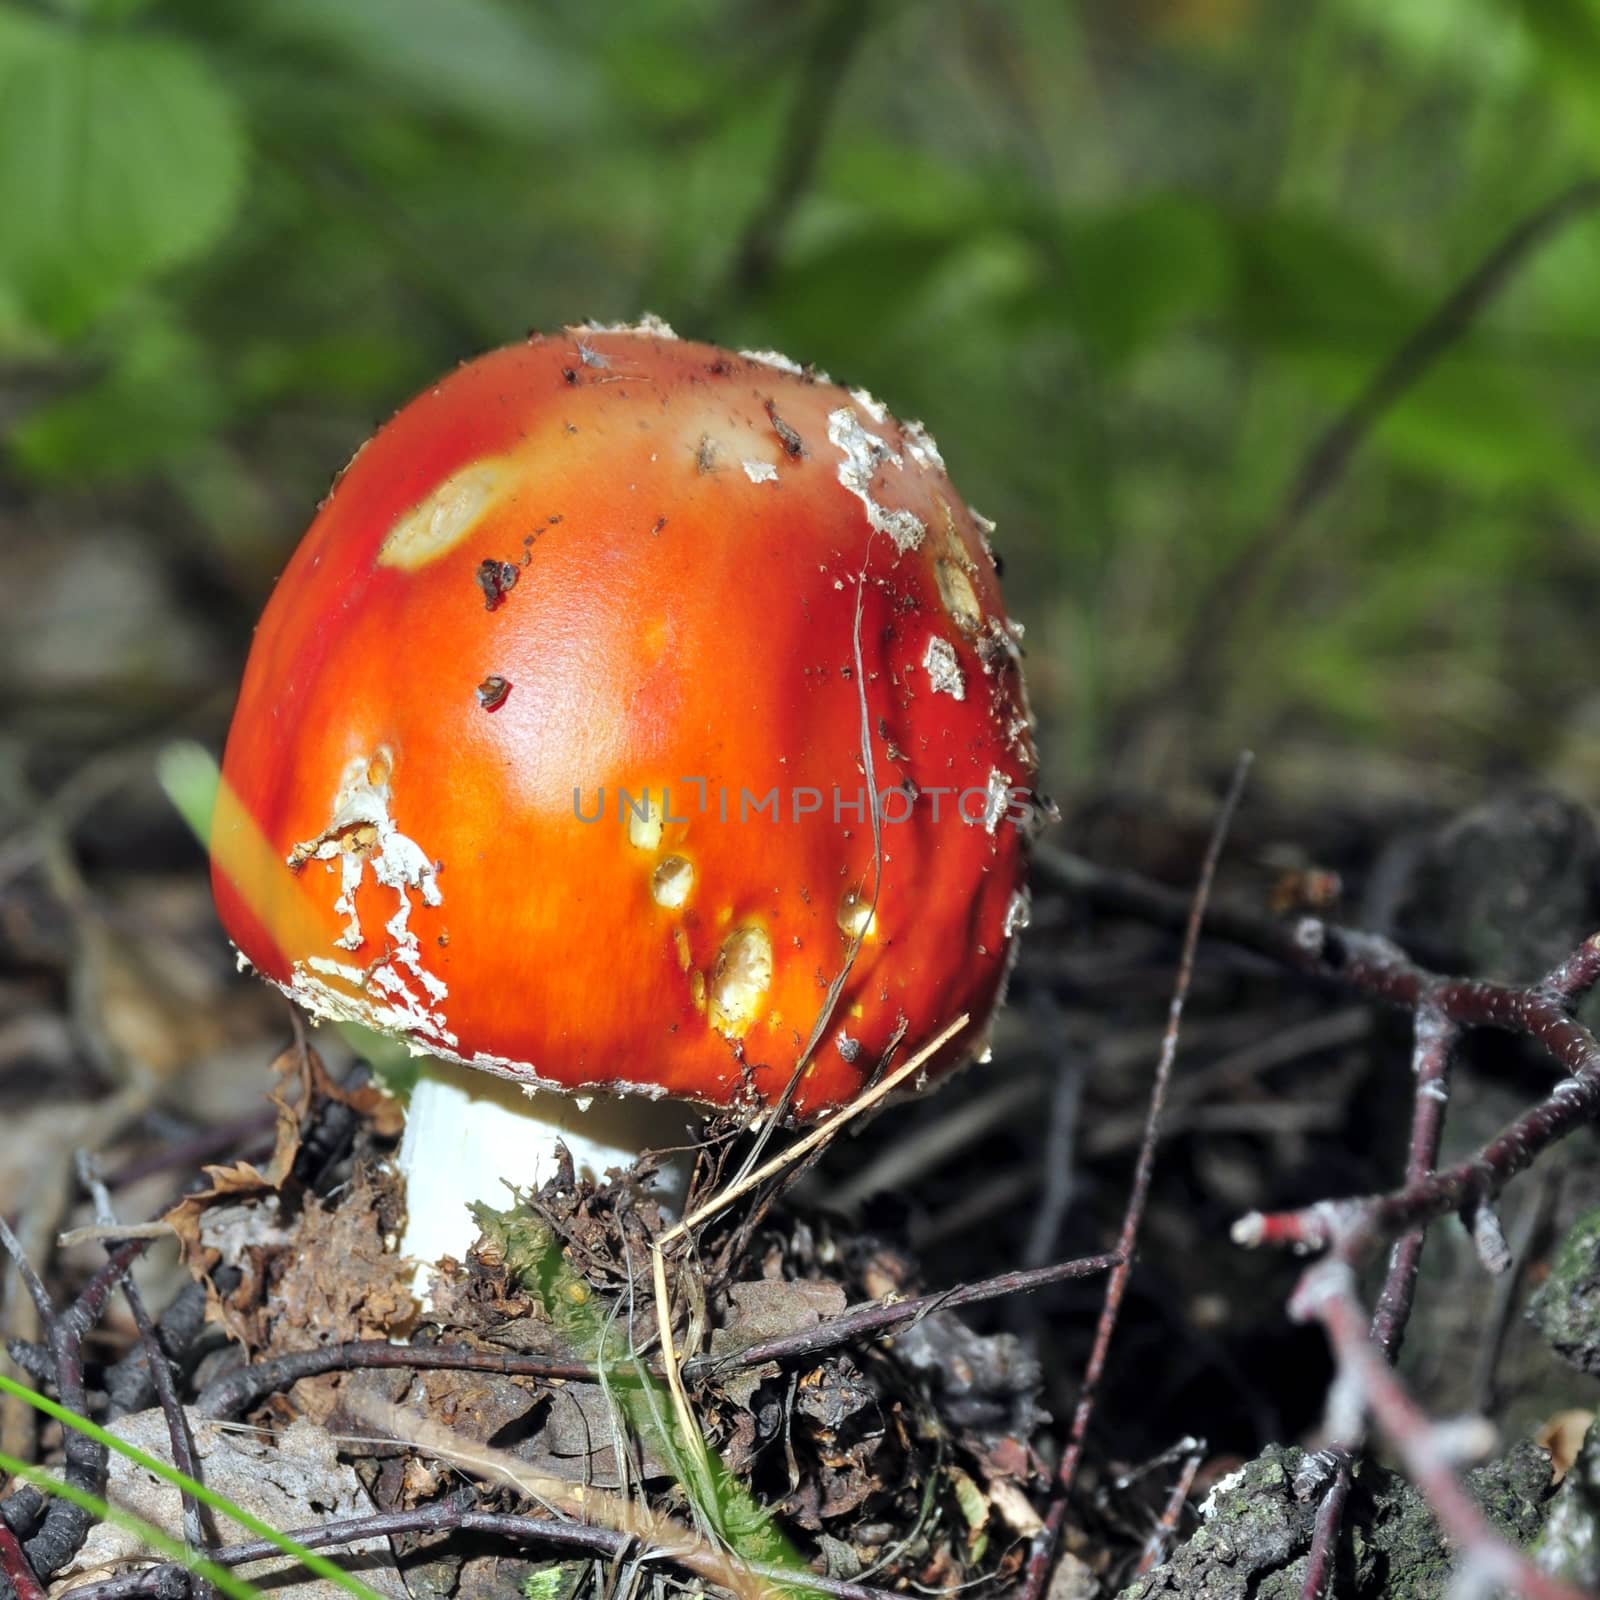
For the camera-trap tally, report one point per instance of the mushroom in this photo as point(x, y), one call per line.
point(638, 723)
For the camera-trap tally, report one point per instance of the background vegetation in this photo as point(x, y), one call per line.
point(1126, 259)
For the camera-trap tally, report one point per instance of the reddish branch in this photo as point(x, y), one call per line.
point(1540, 1012)
point(1349, 1229)
point(240, 1390)
point(1042, 1555)
point(1430, 1451)
point(1433, 1050)
point(1370, 965)
point(14, 1564)
point(1166, 1528)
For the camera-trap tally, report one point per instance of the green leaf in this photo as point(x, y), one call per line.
point(101, 10)
point(158, 401)
point(21, 35)
point(1566, 34)
point(1329, 310)
point(1133, 273)
point(1305, 285)
point(119, 156)
point(1475, 41)
point(473, 58)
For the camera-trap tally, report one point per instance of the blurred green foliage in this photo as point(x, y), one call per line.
point(1125, 257)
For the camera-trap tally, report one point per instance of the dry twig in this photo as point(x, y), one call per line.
point(1431, 1451)
point(1434, 1048)
point(450, 1516)
point(62, 1526)
point(238, 1391)
point(1042, 1554)
point(178, 1434)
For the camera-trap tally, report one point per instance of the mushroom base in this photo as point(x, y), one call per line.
point(471, 1136)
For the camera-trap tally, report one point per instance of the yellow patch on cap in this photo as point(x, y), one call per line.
point(445, 517)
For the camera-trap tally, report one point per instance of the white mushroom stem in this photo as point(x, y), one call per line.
point(471, 1136)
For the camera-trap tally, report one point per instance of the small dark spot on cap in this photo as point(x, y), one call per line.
point(791, 440)
point(661, 522)
point(496, 579)
point(493, 692)
point(570, 374)
point(443, 941)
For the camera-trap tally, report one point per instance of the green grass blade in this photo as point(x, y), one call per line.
point(146, 1532)
point(314, 1562)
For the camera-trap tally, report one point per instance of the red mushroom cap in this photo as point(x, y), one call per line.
point(608, 565)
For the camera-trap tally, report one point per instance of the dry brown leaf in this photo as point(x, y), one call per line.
point(342, 1281)
point(1562, 1435)
point(769, 1309)
point(242, 1239)
point(291, 1098)
point(1015, 1508)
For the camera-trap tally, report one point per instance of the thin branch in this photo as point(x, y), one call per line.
point(841, 30)
point(14, 1566)
point(1433, 1050)
point(1128, 894)
point(1324, 466)
point(1144, 1169)
point(1370, 965)
point(179, 1437)
point(1429, 1451)
point(130, 1382)
point(64, 1525)
point(1349, 1229)
point(1042, 1554)
point(869, 1320)
point(449, 1517)
point(238, 1391)
point(1166, 1528)
point(1538, 1013)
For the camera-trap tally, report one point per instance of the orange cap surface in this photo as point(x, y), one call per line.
point(553, 729)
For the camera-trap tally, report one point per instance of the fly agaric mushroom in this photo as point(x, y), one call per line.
point(562, 729)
